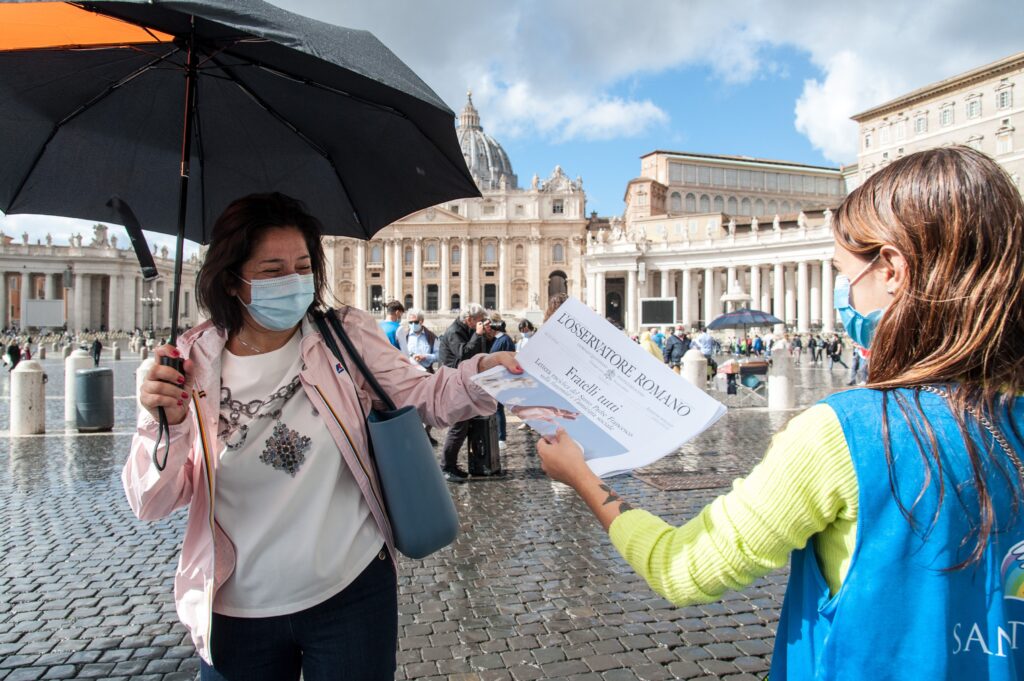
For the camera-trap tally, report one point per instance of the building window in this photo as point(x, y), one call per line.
point(520, 257)
point(490, 296)
point(1004, 143)
point(783, 183)
point(705, 203)
point(745, 207)
point(455, 209)
point(691, 203)
point(974, 142)
point(676, 202)
point(731, 206)
point(821, 185)
point(456, 255)
point(719, 204)
point(346, 257)
point(730, 178)
point(920, 125)
point(883, 134)
point(675, 173)
point(900, 129)
point(757, 180)
point(185, 312)
point(808, 184)
point(431, 252)
point(773, 208)
point(641, 199)
point(718, 177)
point(456, 302)
point(375, 254)
point(558, 253)
point(408, 255)
point(759, 207)
point(519, 209)
point(705, 175)
point(689, 174)
point(946, 115)
point(867, 140)
point(744, 179)
point(490, 253)
point(974, 107)
point(771, 182)
point(1004, 98)
point(488, 209)
point(431, 297)
point(785, 208)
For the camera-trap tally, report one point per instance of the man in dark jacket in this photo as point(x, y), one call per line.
point(676, 346)
point(465, 338)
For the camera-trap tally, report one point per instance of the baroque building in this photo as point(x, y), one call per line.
point(718, 232)
point(98, 283)
point(980, 108)
point(508, 250)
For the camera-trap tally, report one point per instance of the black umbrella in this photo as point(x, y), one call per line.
point(743, 317)
point(217, 99)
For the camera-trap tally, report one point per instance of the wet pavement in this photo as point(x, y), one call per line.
point(532, 588)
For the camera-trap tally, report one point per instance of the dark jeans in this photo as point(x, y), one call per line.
point(352, 635)
point(453, 442)
point(501, 422)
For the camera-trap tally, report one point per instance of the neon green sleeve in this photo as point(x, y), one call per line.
point(804, 487)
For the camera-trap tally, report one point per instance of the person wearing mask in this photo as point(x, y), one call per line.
point(463, 341)
point(676, 346)
point(393, 312)
point(420, 345)
point(502, 343)
point(287, 566)
point(897, 505)
point(526, 331)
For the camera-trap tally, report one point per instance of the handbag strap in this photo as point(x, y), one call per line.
point(339, 332)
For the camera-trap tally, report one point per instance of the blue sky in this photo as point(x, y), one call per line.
point(592, 84)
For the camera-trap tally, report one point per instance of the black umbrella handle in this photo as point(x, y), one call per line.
point(178, 364)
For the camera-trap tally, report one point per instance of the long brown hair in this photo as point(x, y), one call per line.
point(958, 321)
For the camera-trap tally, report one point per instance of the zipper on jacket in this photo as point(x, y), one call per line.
point(355, 452)
point(213, 530)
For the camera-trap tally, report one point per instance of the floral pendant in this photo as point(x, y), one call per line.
point(286, 449)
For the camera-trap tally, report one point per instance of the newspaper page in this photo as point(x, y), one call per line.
point(624, 407)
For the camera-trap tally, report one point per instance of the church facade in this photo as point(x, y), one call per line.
point(508, 250)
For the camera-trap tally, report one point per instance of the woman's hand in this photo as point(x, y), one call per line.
point(165, 387)
point(505, 359)
point(562, 459)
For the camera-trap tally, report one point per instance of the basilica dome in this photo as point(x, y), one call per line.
point(487, 161)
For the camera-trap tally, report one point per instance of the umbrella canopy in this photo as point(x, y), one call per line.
point(743, 318)
point(102, 98)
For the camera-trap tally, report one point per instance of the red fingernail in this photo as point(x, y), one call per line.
point(181, 380)
point(177, 354)
point(179, 403)
point(184, 395)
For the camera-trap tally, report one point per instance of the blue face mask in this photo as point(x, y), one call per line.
point(415, 327)
point(280, 303)
point(860, 327)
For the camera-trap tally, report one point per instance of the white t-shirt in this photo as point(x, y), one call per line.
point(301, 529)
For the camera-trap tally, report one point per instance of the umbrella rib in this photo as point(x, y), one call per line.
point(302, 136)
point(77, 112)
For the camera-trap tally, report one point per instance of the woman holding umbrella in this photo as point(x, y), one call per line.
point(899, 504)
point(287, 564)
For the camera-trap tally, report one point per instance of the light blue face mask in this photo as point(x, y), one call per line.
point(415, 327)
point(280, 303)
point(860, 327)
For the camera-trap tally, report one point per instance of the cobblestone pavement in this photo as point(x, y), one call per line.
point(532, 589)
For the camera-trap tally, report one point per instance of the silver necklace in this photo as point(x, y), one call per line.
point(252, 409)
point(989, 426)
point(238, 338)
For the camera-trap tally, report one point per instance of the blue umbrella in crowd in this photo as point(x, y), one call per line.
point(742, 318)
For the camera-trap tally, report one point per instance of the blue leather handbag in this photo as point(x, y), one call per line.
point(416, 497)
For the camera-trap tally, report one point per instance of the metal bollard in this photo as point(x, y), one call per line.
point(28, 398)
point(780, 379)
point(117, 351)
point(78, 359)
point(42, 352)
point(695, 368)
point(94, 400)
point(140, 376)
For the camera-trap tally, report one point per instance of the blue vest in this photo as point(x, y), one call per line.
point(898, 615)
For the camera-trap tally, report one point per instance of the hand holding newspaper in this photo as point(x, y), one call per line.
point(624, 407)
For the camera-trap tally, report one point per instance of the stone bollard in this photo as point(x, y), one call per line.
point(695, 368)
point(28, 398)
point(65, 352)
point(143, 352)
point(78, 359)
point(780, 379)
point(41, 354)
point(54, 347)
point(140, 376)
point(117, 351)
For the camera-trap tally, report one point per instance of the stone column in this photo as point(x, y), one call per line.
point(5, 302)
point(79, 315)
point(766, 293)
point(730, 279)
point(51, 286)
point(687, 316)
point(755, 286)
point(779, 292)
point(389, 278)
point(803, 316)
point(114, 302)
point(632, 300)
point(666, 284)
point(399, 254)
point(417, 273)
point(592, 290)
point(790, 297)
point(464, 273)
point(360, 294)
point(533, 272)
point(475, 289)
point(444, 302)
point(600, 294)
point(709, 295)
point(815, 294)
point(26, 279)
point(502, 273)
point(827, 312)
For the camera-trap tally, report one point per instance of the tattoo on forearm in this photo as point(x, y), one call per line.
point(613, 497)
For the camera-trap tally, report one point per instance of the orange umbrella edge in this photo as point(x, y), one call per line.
point(49, 25)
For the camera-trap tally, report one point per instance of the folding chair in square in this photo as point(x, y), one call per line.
point(752, 387)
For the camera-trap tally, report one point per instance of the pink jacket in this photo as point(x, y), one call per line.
point(207, 554)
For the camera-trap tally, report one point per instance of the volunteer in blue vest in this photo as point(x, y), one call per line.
point(898, 505)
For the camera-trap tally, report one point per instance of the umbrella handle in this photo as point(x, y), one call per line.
point(164, 430)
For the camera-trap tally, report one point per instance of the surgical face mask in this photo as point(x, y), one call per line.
point(415, 327)
point(280, 303)
point(679, 333)
point(860, 327)
point(527, 334)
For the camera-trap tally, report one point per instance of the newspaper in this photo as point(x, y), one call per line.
point(624, 407)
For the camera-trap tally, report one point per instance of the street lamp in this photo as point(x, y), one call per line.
point(150, 302)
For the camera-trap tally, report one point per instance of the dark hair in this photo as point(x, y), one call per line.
point(525, 325)
point(498, 326)
point(235, 235)
point(395, 307)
